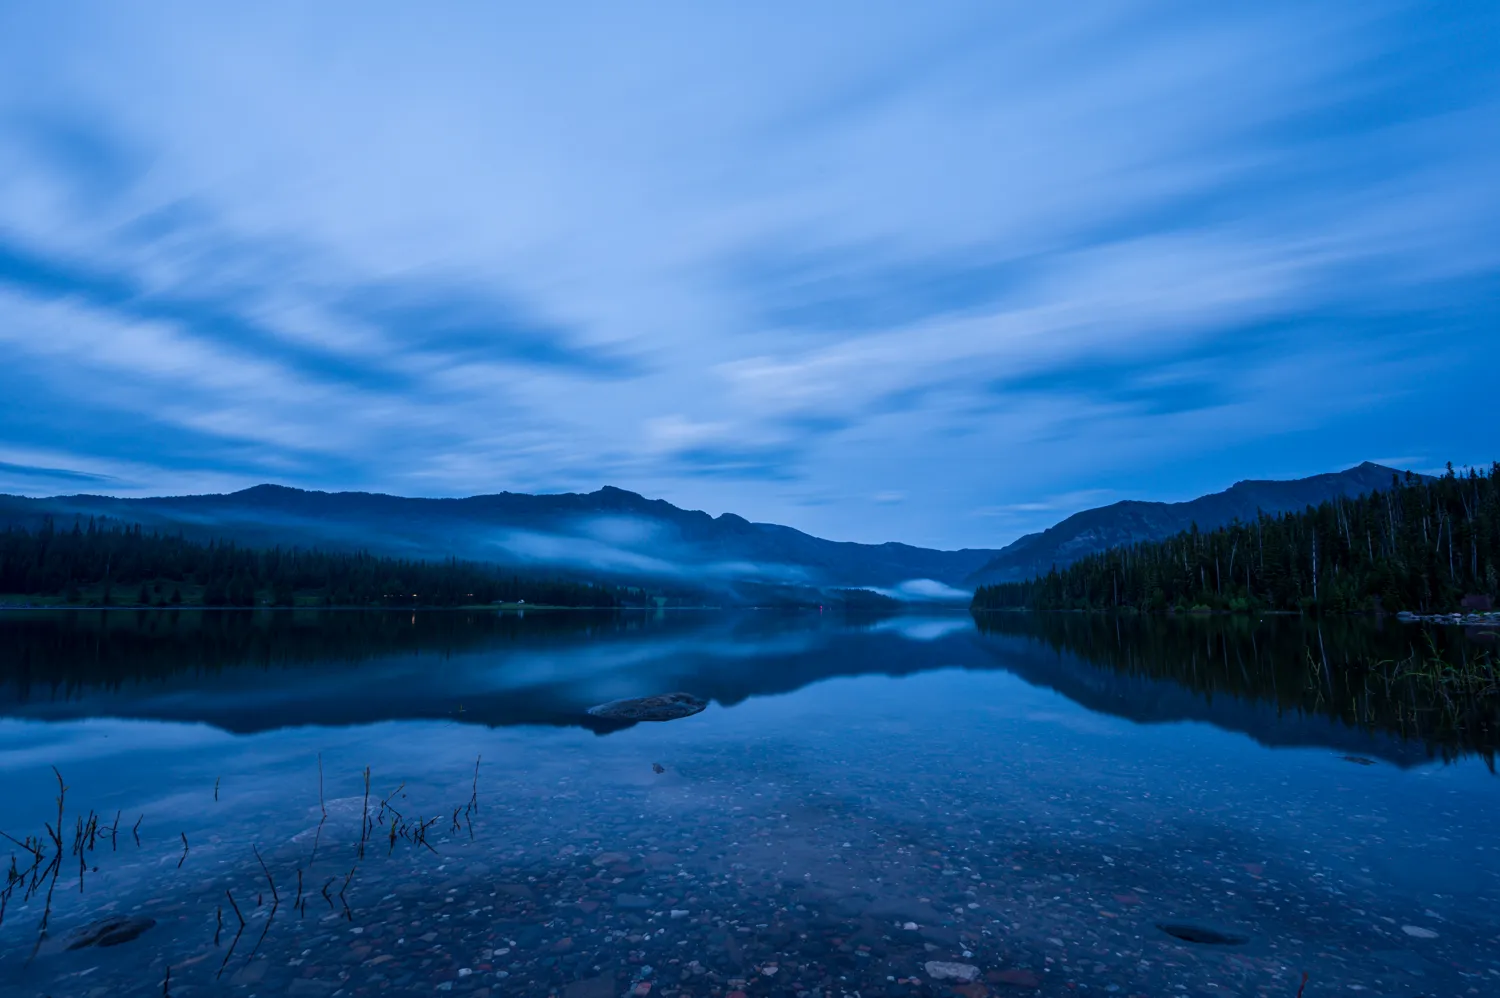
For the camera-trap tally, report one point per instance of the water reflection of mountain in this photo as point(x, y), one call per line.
point(247, 672)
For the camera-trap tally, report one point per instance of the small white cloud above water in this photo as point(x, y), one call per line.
point(923, 628)
point(926, 590)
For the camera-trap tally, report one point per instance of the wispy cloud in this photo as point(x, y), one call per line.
point(27, 471)
point(971, 254)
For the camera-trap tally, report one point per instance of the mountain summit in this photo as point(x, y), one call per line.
point(607, 535)
point(613, 534)
point(1127, 522)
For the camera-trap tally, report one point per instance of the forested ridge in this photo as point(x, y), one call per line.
point(107, 563)
point(1420, 545)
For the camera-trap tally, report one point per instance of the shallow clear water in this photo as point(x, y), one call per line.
point(862, 800)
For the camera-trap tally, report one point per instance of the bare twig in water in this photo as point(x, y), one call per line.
point(166, 983)
point(136, 831)
point(271, 917)
point(235, 907)
point(320, 786)
point(236, 940)
point(230, 953)
point(1303, 986)
point(55, 867)
point(419, 833)
point(347, 913)
point(364, 823)
point(385, 803)
point(325, 891)
point(275, 898)
point(218, 923)
point(317, 837)
point(27, 845)
point(216, 787)
point(62, 792)
point(263, 933)
point(183, 858)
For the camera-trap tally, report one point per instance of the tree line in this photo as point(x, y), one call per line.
point(1423, 544)
point(109, 563)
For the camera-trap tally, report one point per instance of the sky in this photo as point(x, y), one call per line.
point(941, 273)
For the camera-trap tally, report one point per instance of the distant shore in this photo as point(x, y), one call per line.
point(311, 607)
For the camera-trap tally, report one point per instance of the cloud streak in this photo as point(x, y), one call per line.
point(785, 262)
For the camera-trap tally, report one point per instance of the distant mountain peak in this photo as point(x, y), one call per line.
point(610, 534)
point(579, 534)
point(1133, 520)
point(273, 489)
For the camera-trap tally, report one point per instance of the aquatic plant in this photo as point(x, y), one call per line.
point(36, 862)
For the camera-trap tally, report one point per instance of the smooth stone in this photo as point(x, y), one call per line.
point(940, 970)
point(1202, 934)
point(663, 707)
point(111, 931)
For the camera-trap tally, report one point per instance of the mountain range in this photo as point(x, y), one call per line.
point(1130, 521)
point(612, 534)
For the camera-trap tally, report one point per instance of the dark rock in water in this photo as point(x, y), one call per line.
point(1201, 935)
point(658, 768)
point(110, 931)
point(664, 707)
point(1358, 760)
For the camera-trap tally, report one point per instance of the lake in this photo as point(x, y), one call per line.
point(362, 803)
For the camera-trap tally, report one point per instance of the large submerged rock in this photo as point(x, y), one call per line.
point(110, 931)
point(663, 707)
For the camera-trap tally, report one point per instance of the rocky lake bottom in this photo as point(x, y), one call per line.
point(951, 831)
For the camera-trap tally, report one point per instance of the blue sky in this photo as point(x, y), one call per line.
point(940, 272)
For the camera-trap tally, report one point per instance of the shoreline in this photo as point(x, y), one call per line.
point(1473, 619)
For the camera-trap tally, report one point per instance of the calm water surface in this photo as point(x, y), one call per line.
point(862, 800)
